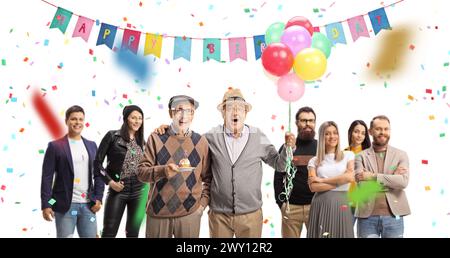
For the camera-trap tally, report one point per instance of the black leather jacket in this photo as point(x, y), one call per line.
point(114, 147)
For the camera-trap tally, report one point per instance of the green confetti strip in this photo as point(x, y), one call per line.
point(3, 62)
point(52, 201)
point(366, 190)
point(247, 10)
point(41, 151)
point(316, 10)
point(442, 135)
point(444, 88)
point(446, 64)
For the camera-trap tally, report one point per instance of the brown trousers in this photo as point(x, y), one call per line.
point(180, 227)
point(293, 219)
point(223, 225)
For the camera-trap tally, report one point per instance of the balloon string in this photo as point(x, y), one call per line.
point(290, 169)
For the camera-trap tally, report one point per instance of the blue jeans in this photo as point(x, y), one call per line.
point(78, 215)
point(384, 226)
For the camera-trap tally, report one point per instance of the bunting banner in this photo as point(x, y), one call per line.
point(211, 49)
point(130, 40)
point(238, 48)
point(106, 35)
point(83, 28)
point(358, 27)
point(153, 45)
point(211, 46)
point(182, 48)
point(259, 42)
point(61, 19)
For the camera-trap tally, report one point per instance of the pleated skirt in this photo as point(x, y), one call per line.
point(330, 216)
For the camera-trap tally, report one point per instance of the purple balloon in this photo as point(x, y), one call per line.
point(296, 38)
point(290, 87)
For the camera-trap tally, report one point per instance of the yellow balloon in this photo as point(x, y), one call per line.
point(310, 64)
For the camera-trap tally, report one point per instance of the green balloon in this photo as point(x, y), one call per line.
point(274, 32)
point(321, 42)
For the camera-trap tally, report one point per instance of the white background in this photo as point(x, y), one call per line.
point(339, 96)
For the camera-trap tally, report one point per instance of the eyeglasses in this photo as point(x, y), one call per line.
point(239, 108)
point(181, 111)
point(305, 121)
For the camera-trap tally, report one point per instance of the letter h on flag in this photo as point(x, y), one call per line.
point(61, 19)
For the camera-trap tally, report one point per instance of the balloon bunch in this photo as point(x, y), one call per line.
point(295, 45)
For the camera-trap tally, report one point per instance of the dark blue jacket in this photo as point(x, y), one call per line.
point(58, 162)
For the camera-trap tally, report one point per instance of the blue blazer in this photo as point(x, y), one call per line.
point(58, 160)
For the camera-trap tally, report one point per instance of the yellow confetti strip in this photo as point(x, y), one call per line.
point(431, 117)
point(410, 97)
point(427, 188)
point(76, 180)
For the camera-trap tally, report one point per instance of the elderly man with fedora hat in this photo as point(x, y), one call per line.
point(237, 151)
point(178, 196)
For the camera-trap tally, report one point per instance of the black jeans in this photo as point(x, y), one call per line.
point(130, 197)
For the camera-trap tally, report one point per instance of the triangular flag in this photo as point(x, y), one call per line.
point(259, 43)
point(211, 49)
point(107, 35)
point(153, 45)
point(83, 28)
point(238, 48)
point(335, 33)
point(358, 27)
point(61, 19)
point(130, 40)
point(379, 20)
point(182, 48)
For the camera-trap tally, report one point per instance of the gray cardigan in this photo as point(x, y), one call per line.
point(236, 188)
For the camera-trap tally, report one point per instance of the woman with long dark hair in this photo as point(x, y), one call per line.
point(358, 140)
point(124, 150)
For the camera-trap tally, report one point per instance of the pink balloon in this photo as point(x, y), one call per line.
point(290, 87)
point(296, 38)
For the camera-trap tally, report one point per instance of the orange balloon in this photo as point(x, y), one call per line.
point(310, 64)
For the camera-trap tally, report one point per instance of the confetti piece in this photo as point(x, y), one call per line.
point(92, 219)
point(24, 229)
point(54, 87)
point(91, 52)
point(274, 117)
point(117, 176)
point(442, 135)
point(3, 187)
point(431, 117)
point(74, 213)
point(3, 62)
point(52, 201)
point(160, 106)
point(393, 168)
point(280, 7)
point(427, 188)
point(425, 162)
point(46, 42)
point(167, 61)
point(433, 224)
point(246, 10)
point(210, 7)
point(83, 195)
point(93, 93)
point(76, 180)
point(268, 183)
point(41, 151)
point(410, 97)
point(125, 96)
point(14, 99)
point(9, 170)
point(411, 47)
point(315, 10)
point(22, 130)
point(87, 124)
point(446, 64)
point(265, 221)
point(429, 91)
point(343, 207)
point(200, 24)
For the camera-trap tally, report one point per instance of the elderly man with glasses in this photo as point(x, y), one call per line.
point(178, 194)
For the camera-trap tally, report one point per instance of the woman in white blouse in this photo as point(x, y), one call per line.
point(329, 175)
